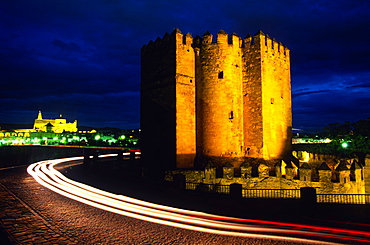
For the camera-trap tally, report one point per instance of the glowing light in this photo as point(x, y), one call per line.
point(45, 173)
point(344, 144)
point(97, 137)
point(122, 137)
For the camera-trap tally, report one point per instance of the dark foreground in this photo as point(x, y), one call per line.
point(33, 214)
point(129, 182)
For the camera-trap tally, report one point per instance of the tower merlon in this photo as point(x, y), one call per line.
point(248, 41)
point(158, 41)
point(188, 39)
point(207, 38)
point(222, 37)
point(236, 40)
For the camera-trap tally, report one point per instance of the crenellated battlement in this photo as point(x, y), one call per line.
point(249, 43)
point(346, 178)
point(219, 96)
point(176, 37)
point(261, 41)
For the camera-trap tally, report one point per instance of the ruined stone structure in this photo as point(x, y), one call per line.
point(340, 176)
point(219, 101)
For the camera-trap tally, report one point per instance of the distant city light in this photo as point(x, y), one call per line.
point(344, 144)
point(40, 138)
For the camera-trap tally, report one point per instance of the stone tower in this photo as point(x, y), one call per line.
point(220, 100)
point(267, 97)
point(168, 101)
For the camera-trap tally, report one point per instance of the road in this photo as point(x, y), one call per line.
point(35, 214)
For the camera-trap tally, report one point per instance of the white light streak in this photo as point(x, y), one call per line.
point(45, 174)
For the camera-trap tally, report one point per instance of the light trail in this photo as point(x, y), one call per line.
point(45, 174)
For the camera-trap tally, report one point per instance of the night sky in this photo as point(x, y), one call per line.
point(82, 58)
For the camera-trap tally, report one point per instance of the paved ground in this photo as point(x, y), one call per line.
point(32, 214)
point(24, 225)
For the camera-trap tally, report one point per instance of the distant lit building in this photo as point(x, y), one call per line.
point(59, 132)
point(58, 125)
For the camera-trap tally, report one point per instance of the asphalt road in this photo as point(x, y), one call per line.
point(32, 214)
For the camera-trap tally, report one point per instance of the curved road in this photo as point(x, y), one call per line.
point(34, 214)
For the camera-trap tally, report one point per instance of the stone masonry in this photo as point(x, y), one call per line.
point(346, 176)
point(219, 101)
point(24, 225)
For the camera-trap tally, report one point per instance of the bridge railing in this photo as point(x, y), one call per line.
point(210, 188)
point(343, 198)
point(281, 194)
point(272, 193)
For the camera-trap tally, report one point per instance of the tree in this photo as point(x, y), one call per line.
point(362, 128)
point(348, 138)
point(337, 129)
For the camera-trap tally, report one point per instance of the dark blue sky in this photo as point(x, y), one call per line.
point(82, 58)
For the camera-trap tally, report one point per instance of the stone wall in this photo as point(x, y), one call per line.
point(349, 180)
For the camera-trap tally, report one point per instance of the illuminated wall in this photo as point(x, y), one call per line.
point(219, 100)
point(267, 97)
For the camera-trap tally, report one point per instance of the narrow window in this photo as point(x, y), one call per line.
point(272, 100)
point(221, 74)
point(191, 81)
point(231, 115)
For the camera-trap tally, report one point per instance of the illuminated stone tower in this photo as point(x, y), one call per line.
point(168, 101)
point(266, 97)
point(222, 100)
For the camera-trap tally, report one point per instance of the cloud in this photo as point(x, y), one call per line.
point(296, 94)
point(60, 52)
point(71, 46)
